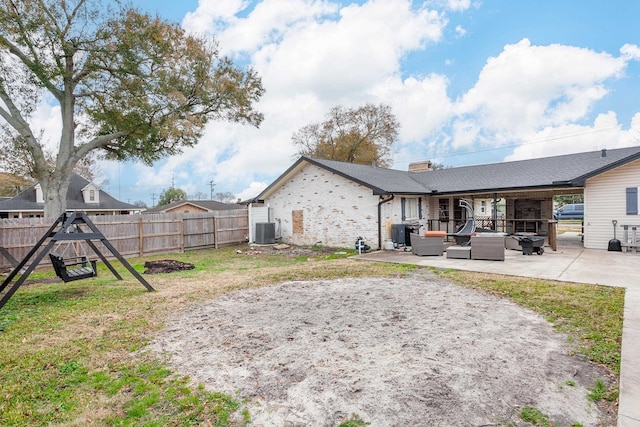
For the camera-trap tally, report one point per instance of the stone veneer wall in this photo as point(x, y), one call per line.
point(316, 205)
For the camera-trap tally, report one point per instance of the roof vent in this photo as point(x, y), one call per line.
point(604, 152)
point(424, 166)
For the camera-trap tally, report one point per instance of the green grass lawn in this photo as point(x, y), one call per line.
point(73, 354)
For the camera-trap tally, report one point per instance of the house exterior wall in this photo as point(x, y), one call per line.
point(316, 205)
point(604, 201)
point(391, 213)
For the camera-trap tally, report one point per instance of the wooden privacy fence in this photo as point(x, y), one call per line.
point(134, 235)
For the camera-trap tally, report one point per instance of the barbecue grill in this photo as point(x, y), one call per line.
point(531, 244)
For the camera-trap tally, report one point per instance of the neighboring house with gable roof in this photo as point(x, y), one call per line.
point(194, 206)
point(82, 195)
point(333, 202)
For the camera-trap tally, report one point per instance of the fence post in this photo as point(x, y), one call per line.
point(182, 237)
point(215, 231)
point(140, 237)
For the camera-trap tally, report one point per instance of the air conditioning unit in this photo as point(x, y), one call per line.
point(265, 233)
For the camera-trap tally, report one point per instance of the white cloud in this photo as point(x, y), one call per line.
point(271, 21)
point(421, 105)
point(340, 58)
point(212, 16)
point(630, 52)
point(46, 117)
point(530, 87)
point(458, 5)
point(605, 132)
point(252, 191)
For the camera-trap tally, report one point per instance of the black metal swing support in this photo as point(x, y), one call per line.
point(65, 221)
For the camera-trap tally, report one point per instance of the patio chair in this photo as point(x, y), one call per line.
point(463, 235)
point(427, 245)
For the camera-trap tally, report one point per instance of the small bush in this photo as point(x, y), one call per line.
point(354, 421)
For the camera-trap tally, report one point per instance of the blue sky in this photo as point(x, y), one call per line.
point(470, 82)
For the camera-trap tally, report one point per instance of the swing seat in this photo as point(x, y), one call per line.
point(86, 268)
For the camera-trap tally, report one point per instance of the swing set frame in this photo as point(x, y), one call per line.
point(65, 221)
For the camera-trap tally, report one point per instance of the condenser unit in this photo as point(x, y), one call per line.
point(265, 233)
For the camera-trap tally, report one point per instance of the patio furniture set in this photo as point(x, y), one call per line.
point(481, 246)
point(471, 244)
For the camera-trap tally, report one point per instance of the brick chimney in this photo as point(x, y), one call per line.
point(423, 166)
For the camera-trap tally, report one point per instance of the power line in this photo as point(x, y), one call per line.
point(527, 142)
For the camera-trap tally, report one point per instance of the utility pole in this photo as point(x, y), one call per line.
point(212, 184)
point(153, 199)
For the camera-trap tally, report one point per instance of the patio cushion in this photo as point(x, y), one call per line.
point(435, 233)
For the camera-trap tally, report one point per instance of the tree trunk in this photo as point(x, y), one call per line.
point(55, 195)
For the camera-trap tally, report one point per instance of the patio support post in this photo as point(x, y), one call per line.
point(494, 212)
point(380, 203)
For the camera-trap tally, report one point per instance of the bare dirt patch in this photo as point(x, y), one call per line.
point(414, 351)
point(166, 266)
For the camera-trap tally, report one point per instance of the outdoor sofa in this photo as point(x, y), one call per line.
point(488, 246)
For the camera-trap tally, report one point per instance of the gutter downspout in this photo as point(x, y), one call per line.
point(380, 203)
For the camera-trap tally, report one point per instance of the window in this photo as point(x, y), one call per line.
point(632, 201)
point(411, 209)
point(444, 210)
point(483, 206)
point(92, 196)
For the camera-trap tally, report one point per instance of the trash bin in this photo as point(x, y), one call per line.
point(531, 244)
point(398, 234)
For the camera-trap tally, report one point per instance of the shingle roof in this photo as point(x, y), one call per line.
point(210, 205)
point(380, 180)
point(570, 170)
point(26, 200)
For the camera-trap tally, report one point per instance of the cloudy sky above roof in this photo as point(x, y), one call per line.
point(470, 82)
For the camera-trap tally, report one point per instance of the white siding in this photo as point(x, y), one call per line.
point(335, 210)
point(258, 214)
point(605, 200)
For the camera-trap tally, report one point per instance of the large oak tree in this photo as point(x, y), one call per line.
point(363, 135)
point(128, 85)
